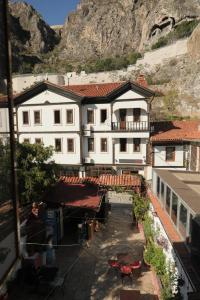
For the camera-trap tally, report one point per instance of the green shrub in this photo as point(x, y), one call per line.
point(184, 29)
point(140, 207)
point(148, 228)
point(162, 41)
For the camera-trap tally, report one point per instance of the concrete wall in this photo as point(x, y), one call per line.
point(150, 60)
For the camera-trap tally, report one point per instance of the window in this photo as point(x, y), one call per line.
point(27, 140)
point(170, 153)
point(174, 208)
point(123, 145)
point(103, 115)
point(136, 145)
point(70, 145)
point(69, 116)
point(158, 186)
point(37, 119)
point(104, 145)
point(136, 114)
point(58, 145)
point(168, 199)
point(90, 116)
point(183, 220)
point(38, 141)
point(162, 190)
point(90, 144)
point(57, 117)
point(25, 118)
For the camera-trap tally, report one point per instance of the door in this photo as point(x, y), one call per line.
point(122, 118)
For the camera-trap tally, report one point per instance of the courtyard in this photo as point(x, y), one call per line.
point(89, 275)
point(85, 273)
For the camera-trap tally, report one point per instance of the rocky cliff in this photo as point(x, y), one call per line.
point(31, 37)
point(115, 27)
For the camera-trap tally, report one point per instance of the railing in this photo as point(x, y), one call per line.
point(130, 126)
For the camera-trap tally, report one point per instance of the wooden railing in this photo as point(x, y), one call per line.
point(130, 126)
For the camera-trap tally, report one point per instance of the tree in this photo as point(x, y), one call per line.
point(36, 171)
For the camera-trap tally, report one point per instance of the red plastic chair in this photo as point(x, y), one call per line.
point(113, 263)
point(126, 271)
point(136, 265)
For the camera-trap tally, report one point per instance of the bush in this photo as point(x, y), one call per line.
point(182, 30)
point(185, 29)
point(162, 41)
point(140, 207)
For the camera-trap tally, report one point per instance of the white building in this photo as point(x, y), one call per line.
point(170, 143)
point(90, 126)
point(176, 215)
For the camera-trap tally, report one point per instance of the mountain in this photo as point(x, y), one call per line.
point(103, 28)
point(31, 37)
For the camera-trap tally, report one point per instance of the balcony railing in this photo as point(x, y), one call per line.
point(130, 126)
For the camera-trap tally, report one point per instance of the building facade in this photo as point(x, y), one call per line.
point(175, 207)
point(91, 127)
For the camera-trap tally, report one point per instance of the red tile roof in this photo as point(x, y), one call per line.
point(175, 130)
point(75, 195)
point(164, 218)
point(105, 180)
point(94, 90)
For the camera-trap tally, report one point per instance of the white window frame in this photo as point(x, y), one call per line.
point(102, 152)
point(61, 151)
point(73, 115)
point(37, 124)
point(74, 145)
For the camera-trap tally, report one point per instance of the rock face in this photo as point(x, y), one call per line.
point(30, 37)
point(114, 27)
point(194, 43)
point(30, 32)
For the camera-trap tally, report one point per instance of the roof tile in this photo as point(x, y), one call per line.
point(175, 130)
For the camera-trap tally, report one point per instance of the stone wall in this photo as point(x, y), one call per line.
point(149, 62)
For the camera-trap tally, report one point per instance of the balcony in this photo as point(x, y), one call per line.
point(130, 126)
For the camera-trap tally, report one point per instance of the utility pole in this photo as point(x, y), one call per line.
point(8, 63)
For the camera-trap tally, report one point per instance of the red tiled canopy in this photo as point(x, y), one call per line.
point(175, 130)
point(105, 180)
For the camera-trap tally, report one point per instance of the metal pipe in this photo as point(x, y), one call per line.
point(8, 60)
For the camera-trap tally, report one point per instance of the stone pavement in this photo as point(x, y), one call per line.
point(86, 271)
point(91, 278)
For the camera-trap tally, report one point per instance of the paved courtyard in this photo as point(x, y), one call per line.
point(90, 277)
point(86, 270)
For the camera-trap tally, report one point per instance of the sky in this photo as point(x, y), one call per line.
point(54, 12)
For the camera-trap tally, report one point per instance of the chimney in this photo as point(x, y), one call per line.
point(141, 80)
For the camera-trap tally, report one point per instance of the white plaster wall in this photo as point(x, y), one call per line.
point(130, 154)
point(97, 156)
point(47, 113)
point(4, 122)
point(160, 155)
point(131, 103)
point(130, 95)
point(97, 111)
point(48, 139)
